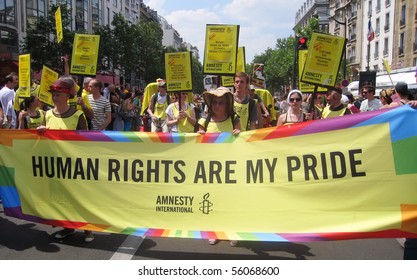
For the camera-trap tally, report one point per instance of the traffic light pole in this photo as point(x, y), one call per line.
point(295, 73)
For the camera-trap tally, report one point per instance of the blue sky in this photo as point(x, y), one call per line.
point(261, 22)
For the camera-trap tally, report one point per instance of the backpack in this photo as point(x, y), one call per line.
point(153, 100)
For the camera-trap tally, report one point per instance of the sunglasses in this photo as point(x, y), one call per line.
point(295, 99)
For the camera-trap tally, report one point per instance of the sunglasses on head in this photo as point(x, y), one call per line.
point(295, 99)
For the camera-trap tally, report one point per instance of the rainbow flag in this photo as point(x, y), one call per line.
point(342, 178)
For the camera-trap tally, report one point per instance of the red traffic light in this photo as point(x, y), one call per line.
point(302, 43)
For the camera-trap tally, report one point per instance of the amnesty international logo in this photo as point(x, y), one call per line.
point(206, 204)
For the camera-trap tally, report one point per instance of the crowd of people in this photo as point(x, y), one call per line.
point(98, 106)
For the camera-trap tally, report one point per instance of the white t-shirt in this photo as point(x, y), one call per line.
point(370, 105)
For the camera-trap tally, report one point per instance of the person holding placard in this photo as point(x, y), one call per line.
point(180, 114)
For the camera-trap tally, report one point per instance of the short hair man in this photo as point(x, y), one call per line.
point(335, 108)
point(244, 106)
point(370, 103)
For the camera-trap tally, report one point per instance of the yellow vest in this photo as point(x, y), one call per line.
point(160, 109)
point(327, 113)
point(184, 125)
point(242, 110)
point(214, 127)
point(69, 123)
point(33, 123)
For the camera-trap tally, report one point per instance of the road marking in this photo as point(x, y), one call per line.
point(129, 247)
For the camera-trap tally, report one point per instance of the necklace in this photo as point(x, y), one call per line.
point(299, 117)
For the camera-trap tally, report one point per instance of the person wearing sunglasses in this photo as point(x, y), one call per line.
point(295, 113)
point(370, 103)
point(180, 114)
point(334, 107)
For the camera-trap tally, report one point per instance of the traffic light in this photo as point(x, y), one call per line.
point(302, 43)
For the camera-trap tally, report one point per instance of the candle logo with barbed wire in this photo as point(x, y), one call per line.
point(206, 205)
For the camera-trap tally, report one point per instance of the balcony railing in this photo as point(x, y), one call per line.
point(386, 28)
point(402, 22)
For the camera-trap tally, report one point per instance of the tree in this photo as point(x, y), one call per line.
point(41, 42)
point(278, 64)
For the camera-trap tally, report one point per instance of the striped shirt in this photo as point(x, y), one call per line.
point(100, 108)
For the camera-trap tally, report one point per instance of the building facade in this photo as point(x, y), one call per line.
point(17, 16)
point(394, 23)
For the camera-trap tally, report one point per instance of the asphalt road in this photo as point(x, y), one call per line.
point(22, 240)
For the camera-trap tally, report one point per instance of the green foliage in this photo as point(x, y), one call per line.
point(41, 42)
point(279, 64)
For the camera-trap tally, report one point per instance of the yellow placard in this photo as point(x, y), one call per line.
point(24, 75)
point(178, 71)
point(229, 81)
point(305, 87)
point(49, 76)
point(85, 54)
point(220, 53)
point(323, 59)
point(58, 24)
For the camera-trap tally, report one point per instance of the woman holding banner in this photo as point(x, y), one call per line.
point(63, 116)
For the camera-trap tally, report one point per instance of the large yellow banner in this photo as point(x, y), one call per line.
point(350, 177)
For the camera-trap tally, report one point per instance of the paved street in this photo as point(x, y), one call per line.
point(22, 240)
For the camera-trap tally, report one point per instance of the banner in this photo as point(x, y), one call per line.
point(24, 75)
point(178, 71)
point(323, 59)
point(58, 25)
point(221, 49)
point(85, 54)
point(341, 178)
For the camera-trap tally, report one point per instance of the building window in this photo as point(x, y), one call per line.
point(370, 8)
point(415, 41)
point(8, 38)
point(401, 48)
point(378, 6)
point(8, 12)
point(376, 53)
point(34, 10)
point(377, 26)
point(386, 47)
point(402, 18)
point(386, 26)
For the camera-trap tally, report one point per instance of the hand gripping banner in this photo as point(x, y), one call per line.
point(342, 178)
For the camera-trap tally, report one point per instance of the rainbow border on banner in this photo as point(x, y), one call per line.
point(403, 136)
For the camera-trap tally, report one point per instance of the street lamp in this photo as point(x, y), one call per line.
point(344, 23)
